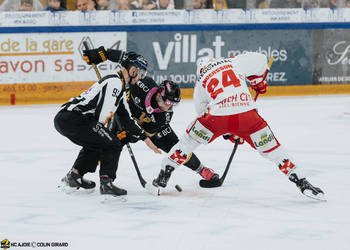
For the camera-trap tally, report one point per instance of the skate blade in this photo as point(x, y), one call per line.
point(155, 191)
point(74, 190)
point(107, 199)
point(319, 197)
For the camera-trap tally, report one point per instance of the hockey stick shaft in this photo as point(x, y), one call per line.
point(229, 162)
point(268, 69)
point(210, 184)
point(141, 179)
point(132, 156)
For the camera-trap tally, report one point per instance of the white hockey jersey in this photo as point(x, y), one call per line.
point(101, 99)
point(222, 87)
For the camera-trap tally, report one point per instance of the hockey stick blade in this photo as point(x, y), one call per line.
point(209, 184)
point(152, 189)
point(217, 183)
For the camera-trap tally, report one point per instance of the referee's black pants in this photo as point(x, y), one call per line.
point(98, 143)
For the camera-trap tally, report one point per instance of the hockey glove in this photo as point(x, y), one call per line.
point(95, 56)
point(258, 83)
point(126, 137)
point(260, 87)
point(233, 138)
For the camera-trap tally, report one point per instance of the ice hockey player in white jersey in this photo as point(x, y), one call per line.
point(84, 120)
point(226, 108)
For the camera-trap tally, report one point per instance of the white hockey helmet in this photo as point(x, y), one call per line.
point(202, 64)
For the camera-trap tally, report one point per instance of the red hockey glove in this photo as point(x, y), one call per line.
point(260, 87)
point(258, 83)
point(233, 138)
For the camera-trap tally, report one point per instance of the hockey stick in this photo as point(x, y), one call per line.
point(268, 69)
point(144, 184)
point(218, 183)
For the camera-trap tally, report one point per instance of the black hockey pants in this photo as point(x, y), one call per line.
point(98, 143)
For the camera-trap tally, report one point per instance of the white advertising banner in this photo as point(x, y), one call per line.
point(179, 17)
point(53, 57)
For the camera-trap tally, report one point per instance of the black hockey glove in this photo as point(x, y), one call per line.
point(126, 137)
point(95, 56)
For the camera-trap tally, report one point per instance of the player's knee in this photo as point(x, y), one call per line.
point(182, 150)
point(199, 133)
point(264, 141)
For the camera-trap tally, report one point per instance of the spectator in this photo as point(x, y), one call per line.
point(91, 5)
point(54, 5)
point(285, 3)
point(85, 5)
point(310, 4)
point(198, 4)
point(124, 5)
point(333, 4)
point(102, 5)
point(165, 5)
point(14, 5)
point(143, 5)
point(347, 4)
point(261, 4)
point(82, 5)
point(26, 5)
point(217, 4)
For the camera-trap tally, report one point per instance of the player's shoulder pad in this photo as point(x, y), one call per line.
point(113, 80)
point(108, 77)
point(146, 84)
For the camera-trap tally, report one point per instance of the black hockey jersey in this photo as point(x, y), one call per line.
point(150, 122)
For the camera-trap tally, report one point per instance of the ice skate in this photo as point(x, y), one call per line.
point(74, 181)
point(111, 193)
point(107, 187)
point(163, 177)
point(307, 189)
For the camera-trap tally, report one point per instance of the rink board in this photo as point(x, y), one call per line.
point(43, 93)
point(44, 64)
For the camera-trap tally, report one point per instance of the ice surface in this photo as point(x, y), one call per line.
point(256, 208)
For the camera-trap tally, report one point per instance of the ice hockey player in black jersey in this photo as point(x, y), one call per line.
point(84, 120)
point(152, 107)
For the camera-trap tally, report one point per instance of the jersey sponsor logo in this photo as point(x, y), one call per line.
point(168, 117)
point(200, 133)
point(137, 100)
point(263, 139)
point(164, 132)
point(178, 157)
point(236, 100)
point(99, 129)
point(143, 86)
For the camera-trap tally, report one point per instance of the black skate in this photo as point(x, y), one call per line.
point(74, 180)
point(163, 177)
point(107, 187)
point(307, 189)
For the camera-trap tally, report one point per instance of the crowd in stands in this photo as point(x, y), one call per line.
point(91, 5)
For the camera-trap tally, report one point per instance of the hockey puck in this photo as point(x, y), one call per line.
point(178, 188)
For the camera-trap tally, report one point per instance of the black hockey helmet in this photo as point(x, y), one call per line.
point(133, 59)
point(170, 92)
